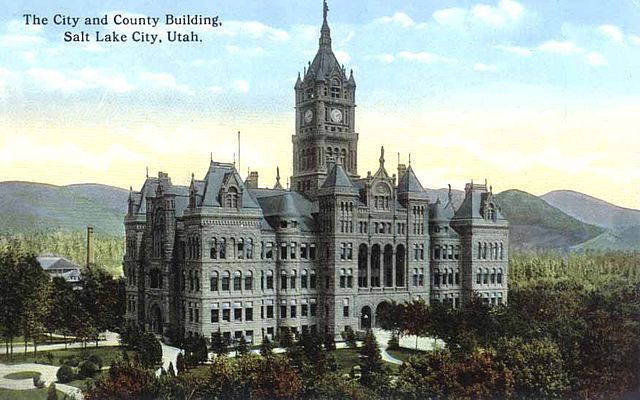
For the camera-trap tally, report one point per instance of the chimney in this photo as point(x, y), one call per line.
point(402, 168)
point(90, 259)
point(252, 180)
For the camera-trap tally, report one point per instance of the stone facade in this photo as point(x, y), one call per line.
point(224, 254)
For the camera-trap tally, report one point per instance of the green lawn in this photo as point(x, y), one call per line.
point(31, 394)
point(107, 354)
point(23, 375)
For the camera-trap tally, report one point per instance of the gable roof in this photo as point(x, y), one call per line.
point(409, 182)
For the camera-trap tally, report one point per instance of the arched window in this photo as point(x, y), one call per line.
point(436, 277)
point(484, 251)
point(223, 248)
point(499, 278)
point(363, 255)
point(485, 279)
point(493, 276)
point(156, 278)
point(213, 250)
point(283, 279)
point(237, 280)
point(226, 276)
point(400, 265)
point(501, 252)
point(415, 277)
point(232, 198)
point(436, 253)
point(304, 284)
point(479, 277)
point(292, 279)
point(450, 277)
point(457, 277)
point(249, 249)
point(312, 279)
point(213, 282)
point(479, 250)
point(248, 281)
point(335, 88)
point(343, 278)
point(270, 279)
point(343, 158)
point(240, 252)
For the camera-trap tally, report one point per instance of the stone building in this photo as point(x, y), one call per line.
point(331, 252)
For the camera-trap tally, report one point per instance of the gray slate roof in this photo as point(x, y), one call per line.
point(48, 262)
point(337, 177)
point(409, 182)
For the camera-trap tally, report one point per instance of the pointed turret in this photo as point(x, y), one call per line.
point(298, 82)
point(325, 32)
point(278, 185)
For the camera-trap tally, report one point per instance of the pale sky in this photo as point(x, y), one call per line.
point(534, 95)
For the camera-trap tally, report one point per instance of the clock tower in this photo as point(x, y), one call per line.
point(325, 119)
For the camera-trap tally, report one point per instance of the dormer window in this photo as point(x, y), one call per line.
point(491, 212)
point(232, 198)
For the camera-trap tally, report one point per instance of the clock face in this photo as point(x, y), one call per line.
point(336, 115)
point(308, 116)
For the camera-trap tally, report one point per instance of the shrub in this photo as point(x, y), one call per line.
point(37, 382)
point(71, 361)
point(94, 358)
point(65, 374)
point(50, 358)
point(393, 343)
point(52, 394)
point(87, 369)
point(349, 337)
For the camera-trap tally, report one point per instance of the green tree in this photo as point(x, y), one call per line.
point(266, 347)
point(286, 338)
point(429, 375)
point(219, 344)
point(241, 348)
point(536, 365)
point(349, 337)
point(371, 364)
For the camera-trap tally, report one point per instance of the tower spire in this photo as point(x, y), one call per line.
point(382, 157)
point(325, 32)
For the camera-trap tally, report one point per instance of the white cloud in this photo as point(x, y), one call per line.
point(79, 80)
point(424, 57)
point(252, 29)
point(19, 26)
point(557, 47)
point(634, 40)
point(257, 51)
point(385, 58)
point(4, 77)
point(502, 14)
point(596, 60)
point(241, 86)
point(163, 80)
point(55, 80)
point(480, 67)
point(612, 33)
point(15, 40)
point(215, 89)
point(521, 51)
point(342, 56)
point(402, 19)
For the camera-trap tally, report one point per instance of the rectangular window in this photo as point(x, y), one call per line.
point(226, 315)
point(237, 283)
point(283, 251)
point(343, 251)
point(248, 283)
point(283, 311)
point(227, 337)
point(349, 251)
point(293, 250)
point(343, 281)
point(345, 311)
point(293, 281)
point(312, 252)
point(225, 283)
point(237, 314)
point(312, 281)
point(197, 315)
point(304, 310)
point(190, 314)
point(349, 281)
point(215, 316)
point(213, 283)
point(240, 249)
point(283, 281)
point(303, 251)
point(269, 281)
point(248, 314)
point(303, 281)
point(269, 311)
point(249, 336)
point(269, 251)
point(293, 311)
point(313, 309)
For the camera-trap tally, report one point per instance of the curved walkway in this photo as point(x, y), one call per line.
point(47, 374)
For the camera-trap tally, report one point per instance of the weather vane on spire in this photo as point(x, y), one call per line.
point(325, 10)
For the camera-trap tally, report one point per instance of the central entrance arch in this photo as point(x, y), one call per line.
point(365, 318)
point(157, 321)
point(381, 310)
